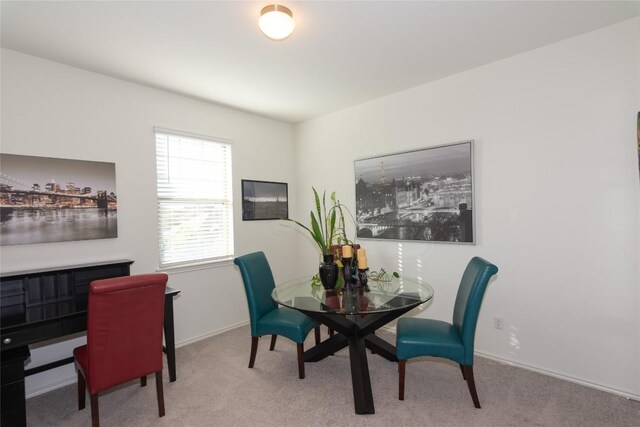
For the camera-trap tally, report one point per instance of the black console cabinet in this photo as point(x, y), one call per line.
point(42, 304)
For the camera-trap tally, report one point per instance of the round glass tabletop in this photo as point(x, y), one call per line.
point(377, 297)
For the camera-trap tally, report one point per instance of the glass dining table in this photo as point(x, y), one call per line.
point(355, 314)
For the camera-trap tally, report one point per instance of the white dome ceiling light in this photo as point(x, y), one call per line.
point(276, 22)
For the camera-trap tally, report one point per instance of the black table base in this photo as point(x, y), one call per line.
point(356, 332)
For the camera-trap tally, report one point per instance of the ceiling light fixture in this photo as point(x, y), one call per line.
point(276, 22)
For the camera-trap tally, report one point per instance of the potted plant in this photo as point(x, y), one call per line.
point(326, 228)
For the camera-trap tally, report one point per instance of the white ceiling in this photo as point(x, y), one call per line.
point(340, 54)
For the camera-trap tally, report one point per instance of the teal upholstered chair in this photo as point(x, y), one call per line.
point(265, 316)
point(426, 337)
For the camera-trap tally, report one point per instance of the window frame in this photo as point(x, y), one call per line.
point(200, 263)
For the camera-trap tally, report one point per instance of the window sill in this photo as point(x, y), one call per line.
point(185, 268)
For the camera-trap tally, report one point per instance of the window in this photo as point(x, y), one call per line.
point(195, 212)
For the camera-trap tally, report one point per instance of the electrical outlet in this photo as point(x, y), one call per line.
point(497, 322)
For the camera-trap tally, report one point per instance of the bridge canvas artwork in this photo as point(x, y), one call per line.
point(46, 200)
point(423, 195)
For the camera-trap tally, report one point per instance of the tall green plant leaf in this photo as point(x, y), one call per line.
point(343, 226)
point(325, 219)
point(318, 233)
point(311, 233)
point(332, 222)
point(319, 210)
point(332, 219)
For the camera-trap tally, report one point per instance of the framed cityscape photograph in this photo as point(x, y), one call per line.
point(264, 200)
point(45, 200)
point(420, 195)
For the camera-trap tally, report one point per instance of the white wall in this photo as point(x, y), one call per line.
point(556, 198)
point(53, 110)
point(556, 193)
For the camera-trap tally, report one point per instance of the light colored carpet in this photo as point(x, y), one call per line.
point(215, 388)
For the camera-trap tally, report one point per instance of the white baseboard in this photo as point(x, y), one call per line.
point(558, 375)
point(211, 334)
point(543, 371)
point(72, 379)
point(50, 387)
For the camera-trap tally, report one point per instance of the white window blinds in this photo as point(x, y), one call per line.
point(195, 216)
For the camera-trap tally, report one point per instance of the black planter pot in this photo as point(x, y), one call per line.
point(328, 272)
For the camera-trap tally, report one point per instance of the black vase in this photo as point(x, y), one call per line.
point(328, 272)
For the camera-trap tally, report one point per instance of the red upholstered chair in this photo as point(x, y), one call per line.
point(124, 336)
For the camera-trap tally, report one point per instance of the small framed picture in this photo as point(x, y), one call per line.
point(263, 200)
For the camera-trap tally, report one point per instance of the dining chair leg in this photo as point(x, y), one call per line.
point(160, 393)
point(95, 413)
point(143, 381)
point(301, 361)
point(82, 390)
point(317, 332)
point(273, 342)
point(468, 373)
point(401, 370)
point(464, 376)
point(254, 350)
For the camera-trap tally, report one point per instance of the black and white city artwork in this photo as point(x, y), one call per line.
point(424, 195)
point(264, 200)
point(46, 200)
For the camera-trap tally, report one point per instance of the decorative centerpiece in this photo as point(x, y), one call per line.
point(338, 253)
point(327, 226)
point(354, 267)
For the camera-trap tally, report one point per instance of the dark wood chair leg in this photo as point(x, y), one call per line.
point(254, 350)
point(468, 374)
point(95, 413)
point(273, 342)
point(301, 361)
point(402, 364)
point(317, 332)
point(464, 376)
point(160, 393)
point(82, 391)
point(143, 381)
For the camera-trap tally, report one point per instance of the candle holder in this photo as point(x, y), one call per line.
point(363, 279)
point(347, 273)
